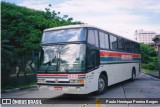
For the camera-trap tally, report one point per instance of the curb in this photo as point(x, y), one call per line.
point(152, 76)
point(16, 89)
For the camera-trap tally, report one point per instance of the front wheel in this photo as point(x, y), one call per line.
point(102, 84)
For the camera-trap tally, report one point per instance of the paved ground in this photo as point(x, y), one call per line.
point(143, 87)
point(155, 74)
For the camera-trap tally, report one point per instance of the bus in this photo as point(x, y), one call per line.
point(80, 59)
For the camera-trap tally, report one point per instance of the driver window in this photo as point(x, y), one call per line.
point(92, 58)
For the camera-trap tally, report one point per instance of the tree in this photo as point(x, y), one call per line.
point(21, 32)
point(147, 52)
point(149, 57)
point(6, 48)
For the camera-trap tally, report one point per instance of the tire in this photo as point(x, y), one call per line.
point(102, 85)
point(133, 74)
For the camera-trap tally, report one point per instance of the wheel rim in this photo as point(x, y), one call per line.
point(101, 84)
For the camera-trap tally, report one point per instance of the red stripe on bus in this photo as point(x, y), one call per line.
point(118, 54)
point(60, 74)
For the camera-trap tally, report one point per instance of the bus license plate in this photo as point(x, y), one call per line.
point(57, 88)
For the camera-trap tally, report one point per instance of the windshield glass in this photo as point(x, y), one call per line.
point(65, 35)
point(63, 58)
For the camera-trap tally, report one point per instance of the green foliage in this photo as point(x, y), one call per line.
point(147, 52)
point(145, 66)
point(150, 66)
point(147, 70)
point(24, 27)
point(6, 49)
point(149, 57)
point(21, 32)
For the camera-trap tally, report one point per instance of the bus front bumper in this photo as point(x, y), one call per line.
point(65, 89)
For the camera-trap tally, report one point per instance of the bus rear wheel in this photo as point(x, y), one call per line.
point(102, 85)
point(133, 74)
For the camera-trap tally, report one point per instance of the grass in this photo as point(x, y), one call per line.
point(147, 70)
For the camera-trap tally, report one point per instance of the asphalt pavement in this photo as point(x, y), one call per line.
point(144, 86)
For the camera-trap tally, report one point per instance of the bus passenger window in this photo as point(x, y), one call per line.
point(103, 40)
point(120, 44)
point(96, 37)
point(127, 46)
point(137, 48)
point(93, 37)
point(113, 42)
point(132, 47)
point(106, 38)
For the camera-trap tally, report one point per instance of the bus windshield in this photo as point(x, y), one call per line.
point(64, 35)
point(63, 58)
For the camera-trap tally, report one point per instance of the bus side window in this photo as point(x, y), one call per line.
point(137, 48)
point(132, 47)
point(113, 42)
point(106, 41)
point(127, 46)
point(96, 38)
point(103, 40)
point(93, 37)
point(121, 44)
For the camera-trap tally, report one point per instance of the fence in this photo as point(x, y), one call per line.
point(14, 81)
point(18, 72)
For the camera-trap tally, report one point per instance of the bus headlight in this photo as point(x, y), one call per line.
point(41, 80)
point(77, 81)
point(71, 81)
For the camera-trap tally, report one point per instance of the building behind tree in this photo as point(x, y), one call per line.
point(146, 37)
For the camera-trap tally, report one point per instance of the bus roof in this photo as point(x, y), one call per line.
point(69, 26)
point(82, 26)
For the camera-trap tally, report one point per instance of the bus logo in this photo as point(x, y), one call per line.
point(126, 57)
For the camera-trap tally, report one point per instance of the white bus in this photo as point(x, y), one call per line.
point(80, 59)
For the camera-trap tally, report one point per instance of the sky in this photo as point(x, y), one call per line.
point(121, 17)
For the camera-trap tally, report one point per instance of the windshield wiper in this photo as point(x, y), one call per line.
point(58, 62)
point(57, 66)
point(67, 70)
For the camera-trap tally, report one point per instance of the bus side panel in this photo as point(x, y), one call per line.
point(111, 72)
point(129, 69)
point(91, 83)
point(120, 72)
point(117, 72)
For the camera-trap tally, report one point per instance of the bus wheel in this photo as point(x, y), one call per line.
point(102, 85)
point(133, 74)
